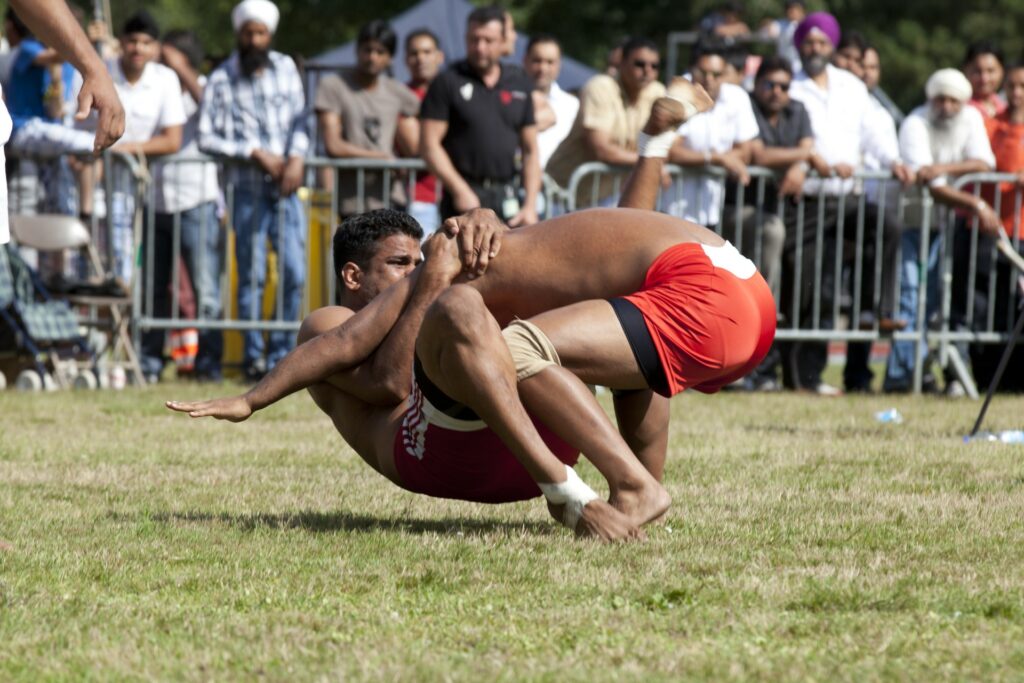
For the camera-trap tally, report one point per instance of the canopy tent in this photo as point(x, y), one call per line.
point(447, 19)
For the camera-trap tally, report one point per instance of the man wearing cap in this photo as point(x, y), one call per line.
point(845, 132)
point(155, 117)
point(940, 140)
point(253, 109)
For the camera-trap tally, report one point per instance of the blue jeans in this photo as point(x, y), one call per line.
point(202, 247)
point(259, 215)
point(899, 371)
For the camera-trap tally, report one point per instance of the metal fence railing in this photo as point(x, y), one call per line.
point(828, 257)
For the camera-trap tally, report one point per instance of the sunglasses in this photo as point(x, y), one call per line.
point(772, 85)
point(641, 64)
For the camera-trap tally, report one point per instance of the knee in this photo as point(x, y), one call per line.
point(458, 310)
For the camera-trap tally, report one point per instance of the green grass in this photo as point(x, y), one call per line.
point(806, 542)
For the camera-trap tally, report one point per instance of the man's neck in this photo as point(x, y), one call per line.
point(491, 76)
point(631, 95)
point(1015, 115)
point(130, 75)
point(419, 84)
point(821, 80)
point(367, 81)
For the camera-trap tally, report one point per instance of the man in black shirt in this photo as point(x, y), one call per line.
point(475, 117)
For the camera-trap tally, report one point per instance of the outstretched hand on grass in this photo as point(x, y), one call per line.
point(232, 408)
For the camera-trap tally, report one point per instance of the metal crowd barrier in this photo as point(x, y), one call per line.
point(974, 324)
point(354, 185)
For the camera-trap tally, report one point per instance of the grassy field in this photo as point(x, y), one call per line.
point(806, 542)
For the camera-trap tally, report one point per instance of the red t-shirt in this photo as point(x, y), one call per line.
point(426, 183)
point(1007, 140)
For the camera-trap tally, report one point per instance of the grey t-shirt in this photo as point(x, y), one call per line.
point(369, 119)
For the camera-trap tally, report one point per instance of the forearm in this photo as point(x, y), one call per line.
point(336, 351)
point(52, 22)
point(166, 142)
point(963, 167)
point(391, 365)
point(944, 194)
point(684, 156)
point(190, 83)
point(441, 165)
point(343, 149)
point(531, 176)
point(780, 157)
point(613, 155)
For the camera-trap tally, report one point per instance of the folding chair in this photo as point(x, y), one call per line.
point(54, 232)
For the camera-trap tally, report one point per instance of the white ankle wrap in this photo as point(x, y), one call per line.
point(573, 493)
point(656, 146)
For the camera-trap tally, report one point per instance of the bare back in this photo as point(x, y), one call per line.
point(593, 254)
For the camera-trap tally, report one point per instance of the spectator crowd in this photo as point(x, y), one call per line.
point(846, 165)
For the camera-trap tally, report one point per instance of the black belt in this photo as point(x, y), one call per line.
point(437, 398)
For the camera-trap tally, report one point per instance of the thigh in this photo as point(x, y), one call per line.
point(592, 344)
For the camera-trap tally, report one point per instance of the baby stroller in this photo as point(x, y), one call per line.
point(40, 344)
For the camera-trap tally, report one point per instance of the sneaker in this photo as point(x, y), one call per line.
point(955, 389)
point(767, 384)
point(824, 389)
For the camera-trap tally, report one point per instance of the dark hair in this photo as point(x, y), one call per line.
point(357, 237)
point(638, 43)
point(485, 15)
point(708, 47)
point(983, 47)
point(380, 31)
point(421, 33)
point(188, 44)
point(19, 25)
point(790, 3)
point(542, 39)
point(141, 22)
point(773, 63)
point(853, 38)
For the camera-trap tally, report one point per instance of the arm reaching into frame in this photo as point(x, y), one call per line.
point(53, 23)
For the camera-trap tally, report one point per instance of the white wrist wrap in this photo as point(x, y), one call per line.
point(689, 108)
point(656, 146)
point(573, 493)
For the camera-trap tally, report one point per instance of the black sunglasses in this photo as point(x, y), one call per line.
point(641, 64)
point(772, 85)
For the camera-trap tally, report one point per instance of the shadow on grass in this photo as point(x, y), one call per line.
point(322, 522)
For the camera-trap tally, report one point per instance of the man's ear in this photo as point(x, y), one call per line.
point(351, 276)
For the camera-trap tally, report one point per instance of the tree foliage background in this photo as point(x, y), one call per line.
point(914, 37)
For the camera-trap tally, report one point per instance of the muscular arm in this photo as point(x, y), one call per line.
point(407, 136)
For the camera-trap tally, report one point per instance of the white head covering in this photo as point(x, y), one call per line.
point(948, 83)
point(263, 11)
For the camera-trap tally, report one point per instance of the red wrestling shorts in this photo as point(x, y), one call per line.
point(446, 457)
point(710, 315)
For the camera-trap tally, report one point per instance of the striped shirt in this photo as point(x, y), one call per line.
point(239, 115)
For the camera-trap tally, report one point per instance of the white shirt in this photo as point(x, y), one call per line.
point(5, 134)
point(730, 122)
point(923, 143)
point(566, 107)
point(845, 131)
point(184, 186)
point(151, 104)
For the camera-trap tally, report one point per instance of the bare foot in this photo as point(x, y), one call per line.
point(642, 504)
point(601, 521)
